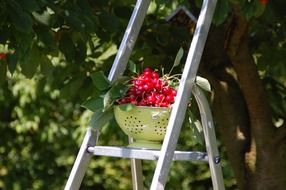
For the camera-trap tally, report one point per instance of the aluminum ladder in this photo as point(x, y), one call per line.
point(168, 151)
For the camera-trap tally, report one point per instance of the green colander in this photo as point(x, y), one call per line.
point(147, 125)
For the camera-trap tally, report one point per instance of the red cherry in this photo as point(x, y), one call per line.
point(151, 99)
point(138, 92)
point(174, 92)
point(155, 75)
point(160, 97)
point(142, 103)
point(147, 74)
point(166, 90)
point(170, 98)
point(148, 69)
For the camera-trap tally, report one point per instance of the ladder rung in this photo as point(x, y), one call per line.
point(144, 154)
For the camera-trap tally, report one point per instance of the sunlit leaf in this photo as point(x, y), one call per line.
point(132, 67)
point(94, 104)
point(178, 57)
point(203, 83)
point(100, 118)
point(196, 128)
point(116, 91)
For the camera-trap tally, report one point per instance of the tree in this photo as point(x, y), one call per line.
point(57, 44)
point(241, 104)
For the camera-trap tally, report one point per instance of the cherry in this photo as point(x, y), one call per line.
point(170, 98)
point(147, 89)
point(155, 75)
point(148, 69)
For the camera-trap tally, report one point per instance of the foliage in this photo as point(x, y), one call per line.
point(53, 47)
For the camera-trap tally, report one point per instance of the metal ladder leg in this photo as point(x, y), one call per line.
point(119, 67)
point(82, 160)
point(128, 41)
point(210, 139)
point(184, 92)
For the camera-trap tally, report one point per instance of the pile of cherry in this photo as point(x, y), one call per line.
point(148, 89)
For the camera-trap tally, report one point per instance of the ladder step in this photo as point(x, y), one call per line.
point(144, 154)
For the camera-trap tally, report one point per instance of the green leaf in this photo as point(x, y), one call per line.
point(31, 62)
point(44, 18)
point(72, 87)
point(20, 18)
point(30, 5)
point(99, 118)
point(126, 107)
point(178, 57)
point(116, 91)
point(132, 67)
point(12, 60)
point(221, 12)
point(100, 81)
point(47, 67)
point(3, 71)
point(73, 20)
point(67, 46)
point(80, 51)
point(259, 9)
point(196, 128)
point(109, 22)
point(203, 83)
point(94, 104)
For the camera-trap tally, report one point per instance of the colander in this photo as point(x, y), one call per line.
point(147, 125)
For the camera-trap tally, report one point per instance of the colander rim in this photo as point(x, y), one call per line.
point(148, 107)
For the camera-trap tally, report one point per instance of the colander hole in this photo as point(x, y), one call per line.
point(135, 118)
point(127, 117)
point(131, 117)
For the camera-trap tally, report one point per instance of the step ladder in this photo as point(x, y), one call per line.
point(168, 151)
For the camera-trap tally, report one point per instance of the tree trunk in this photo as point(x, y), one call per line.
point(256, 149)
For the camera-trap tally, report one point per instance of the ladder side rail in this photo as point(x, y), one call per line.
point(82, 160)
point(136, 171)
point(119, 66)
point(129, 39)
point(210, 139)
point(183, 95)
